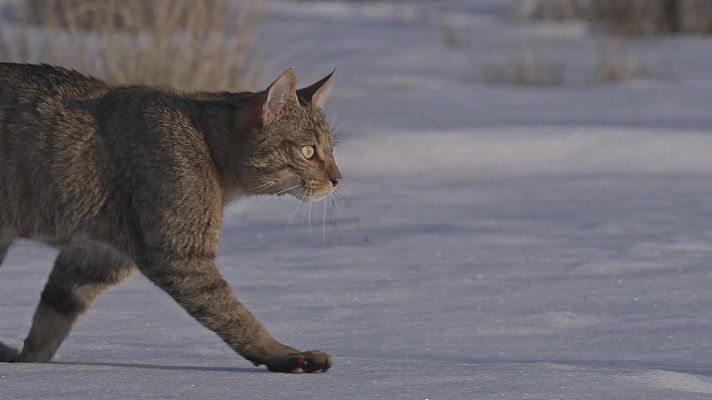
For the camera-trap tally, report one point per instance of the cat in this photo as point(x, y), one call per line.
point(124, 178)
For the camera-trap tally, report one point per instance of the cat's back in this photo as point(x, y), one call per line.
point(37, 101)
point(48, 124)
point(72, 146)
point(25, 84)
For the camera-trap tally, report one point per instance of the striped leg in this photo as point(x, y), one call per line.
point(5, 242)
point(6, 353)
point(79, 276)
point(196, 284)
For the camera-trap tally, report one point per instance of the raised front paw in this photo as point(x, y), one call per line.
point(298, 363)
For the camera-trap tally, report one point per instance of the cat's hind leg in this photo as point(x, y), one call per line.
point(79, 276)
point(5, 242)
point(6, 353)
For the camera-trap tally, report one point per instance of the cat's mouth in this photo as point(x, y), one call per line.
point(310, 195)
point(305, 193)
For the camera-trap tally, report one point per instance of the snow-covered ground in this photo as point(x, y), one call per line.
point(497, 241)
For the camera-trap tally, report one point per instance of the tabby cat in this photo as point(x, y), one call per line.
point(124, 178)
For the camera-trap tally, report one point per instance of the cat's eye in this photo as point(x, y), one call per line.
point(308, 152)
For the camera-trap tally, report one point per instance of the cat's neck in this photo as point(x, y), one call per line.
point(217, 117)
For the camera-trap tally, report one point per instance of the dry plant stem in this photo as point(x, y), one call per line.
point(191, 45)
point(526, 66)
point(629, 17)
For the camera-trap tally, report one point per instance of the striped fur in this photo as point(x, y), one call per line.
point(135, 178)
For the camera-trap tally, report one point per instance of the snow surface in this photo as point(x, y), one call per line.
point(496, 242)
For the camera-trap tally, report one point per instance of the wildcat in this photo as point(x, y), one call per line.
point(124, 178)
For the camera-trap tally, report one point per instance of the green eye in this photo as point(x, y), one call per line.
point(308, 152)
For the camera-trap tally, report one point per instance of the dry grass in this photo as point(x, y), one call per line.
point(613, 61)
point(206, 44)
point(630, 17)
point(450, 37)
point(541, 65)
point(531, 66)
point(616, 63)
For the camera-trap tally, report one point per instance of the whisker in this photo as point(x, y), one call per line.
point(263, 186)
point(336, 204)
point(332, 211)
point(323, 225)
point(304, 213)
point(311, 203)
point(335, 131)
point(278, 193)
point(347, 204)
point(334, 220)
point(287, 189)
point(254, 164)
point(333, 120)
point(337, 192)
point(291, 201)
point(299, 204)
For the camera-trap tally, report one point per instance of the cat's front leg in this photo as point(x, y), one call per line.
point(196, 284)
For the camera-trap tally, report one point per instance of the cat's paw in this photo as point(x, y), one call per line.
point(8, 354)
point(299, 363)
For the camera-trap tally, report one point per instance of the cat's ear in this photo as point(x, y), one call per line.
point(283, 89)
point(267, 104)
point(317, 93)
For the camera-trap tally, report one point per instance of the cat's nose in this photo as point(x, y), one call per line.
point(332, 171)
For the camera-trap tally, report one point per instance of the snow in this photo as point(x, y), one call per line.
point(496, 242)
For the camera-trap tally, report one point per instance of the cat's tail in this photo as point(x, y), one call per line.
point(7, 353)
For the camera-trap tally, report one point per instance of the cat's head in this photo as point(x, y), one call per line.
point(290, 144)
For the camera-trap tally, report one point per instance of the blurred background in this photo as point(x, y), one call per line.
point(578, 49)
point(525, 210)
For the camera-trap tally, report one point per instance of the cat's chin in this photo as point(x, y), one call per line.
point(320, 197)
point(313, 197)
